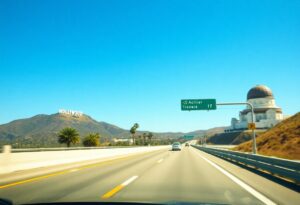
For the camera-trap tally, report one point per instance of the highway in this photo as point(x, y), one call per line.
point(162, 176)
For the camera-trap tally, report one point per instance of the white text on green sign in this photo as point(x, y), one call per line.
point(198, 104)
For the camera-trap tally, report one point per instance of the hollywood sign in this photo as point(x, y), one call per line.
point(70, 112)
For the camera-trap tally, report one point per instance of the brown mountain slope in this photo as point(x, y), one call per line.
point(223, 138)
point(41, 130)
point(283, 140)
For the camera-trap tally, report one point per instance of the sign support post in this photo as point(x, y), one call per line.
point(210, 104)
point(254, 149)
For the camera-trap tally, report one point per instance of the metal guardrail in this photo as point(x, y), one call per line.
point(226, 147)
point(284, 168)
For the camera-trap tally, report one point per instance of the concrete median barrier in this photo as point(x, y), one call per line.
point(11, 162)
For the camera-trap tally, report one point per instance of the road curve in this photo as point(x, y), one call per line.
point(160, 176)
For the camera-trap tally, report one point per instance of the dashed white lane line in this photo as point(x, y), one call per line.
point(159, 161)
point(128, 181)
point(118, 188)
point(240, 183)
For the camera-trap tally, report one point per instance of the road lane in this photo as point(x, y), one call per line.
point(160, 176)
point(185, 177)
point(272, 190)
point(118, 188)
point(239, 182)
point(82, 185)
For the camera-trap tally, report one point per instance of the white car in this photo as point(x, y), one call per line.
point(176, 146)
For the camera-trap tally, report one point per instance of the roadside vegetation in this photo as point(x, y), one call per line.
point(68, 136)
point(91, 140)
point(133, 130)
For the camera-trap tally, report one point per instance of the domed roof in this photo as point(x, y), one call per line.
point(259, 91)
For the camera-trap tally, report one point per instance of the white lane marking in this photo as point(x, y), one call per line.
point(159, 161)
point(74, 170)
point(118, 188)
point(128, 181)
point(241, 183)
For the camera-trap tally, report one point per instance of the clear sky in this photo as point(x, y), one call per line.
point(123, 61)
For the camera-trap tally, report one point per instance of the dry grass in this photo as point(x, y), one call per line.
point(283, 140)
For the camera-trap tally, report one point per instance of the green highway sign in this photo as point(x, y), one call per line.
point(188, 137)
point(198, 104)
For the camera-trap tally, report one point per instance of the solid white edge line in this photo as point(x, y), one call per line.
point(128, 181)
point(241, 183)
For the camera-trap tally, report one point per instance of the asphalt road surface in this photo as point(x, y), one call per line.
point(162, 176)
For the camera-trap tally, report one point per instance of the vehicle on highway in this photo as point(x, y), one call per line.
point(187, 144)
point(176, 146)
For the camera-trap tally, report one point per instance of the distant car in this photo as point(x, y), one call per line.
point(187, 144)
point(176, 146)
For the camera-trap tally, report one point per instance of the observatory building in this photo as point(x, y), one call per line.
point(267, 113)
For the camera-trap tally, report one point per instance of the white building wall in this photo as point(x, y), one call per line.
point(262, 103)
point(268, 119)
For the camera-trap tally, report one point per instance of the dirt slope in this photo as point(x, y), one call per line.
point(283, 140)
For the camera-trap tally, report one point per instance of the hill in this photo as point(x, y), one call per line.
point(223, 138)
point(207, 132)
point(283, 140)
point(231, 138)
point(52, 123)
point(41, 130)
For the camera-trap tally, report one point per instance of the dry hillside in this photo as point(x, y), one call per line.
point(283, 140)
point(231, 138)
point(223, 138)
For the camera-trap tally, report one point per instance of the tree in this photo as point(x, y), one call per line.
point(68, 136)
point(91, 140)
point(150, 135)
point(144, 138)
point(139, 140)
point(133, 131)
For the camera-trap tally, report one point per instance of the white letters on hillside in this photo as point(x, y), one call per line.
point(70, 112)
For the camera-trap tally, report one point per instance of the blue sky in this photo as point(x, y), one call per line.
point(133, 61)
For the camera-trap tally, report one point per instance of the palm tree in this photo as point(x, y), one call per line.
point(68, 136)
point(133, 131)
point(136, 125)
point(91, 140)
